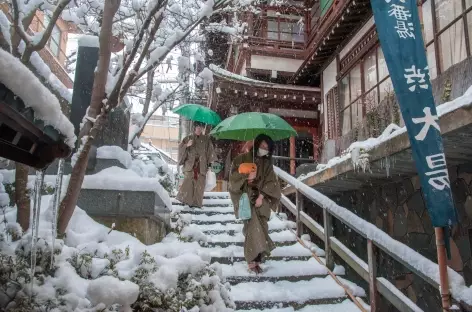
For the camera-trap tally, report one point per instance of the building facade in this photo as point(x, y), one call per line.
point(332, 46)
point(163, 133)
point(54, 53)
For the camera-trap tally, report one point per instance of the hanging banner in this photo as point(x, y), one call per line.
point(401, 40)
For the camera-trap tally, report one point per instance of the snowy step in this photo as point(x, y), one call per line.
point(210, 210)
point(216, 195)
point(241, 244)
point(209, 202)
point(274, 224)
point(233, 232)
point(237, 251)
point(345, 306)
point(236, 259)
point(278, 269)
point(218, 217)
point(283, 236)
point(274, 271)
point(316, 291)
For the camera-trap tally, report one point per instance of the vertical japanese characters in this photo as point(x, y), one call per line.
point(401, 40)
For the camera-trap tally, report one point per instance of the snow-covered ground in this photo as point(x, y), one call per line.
point(97, 267)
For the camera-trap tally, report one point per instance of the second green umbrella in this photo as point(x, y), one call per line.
point(198, 113)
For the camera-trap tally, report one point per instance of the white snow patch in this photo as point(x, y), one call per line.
point(21, 81)
point(119, 179)
point(110, 290)
point(88, 41)
point(115, 152)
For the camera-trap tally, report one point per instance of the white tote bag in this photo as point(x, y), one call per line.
point(210, 181)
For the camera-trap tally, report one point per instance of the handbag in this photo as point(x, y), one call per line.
point(244, 212)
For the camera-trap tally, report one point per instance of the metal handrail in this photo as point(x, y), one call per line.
point(376, 239)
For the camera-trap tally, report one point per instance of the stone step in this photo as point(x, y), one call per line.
point(209, 202)
point(263, 305)
point(281, 236)
point(293, 250)
point(281, 269)
point(235, 259)
point(222, 223)
point(344, 306)
point(261, 295)
point(233, 280)
point(210, 211)
point(215, 218)
point(229, 244)
point(234, 232)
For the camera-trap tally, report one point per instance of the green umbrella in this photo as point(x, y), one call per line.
point(247, 126)
point(199, 113)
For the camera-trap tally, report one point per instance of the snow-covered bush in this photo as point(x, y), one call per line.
point(95, 269)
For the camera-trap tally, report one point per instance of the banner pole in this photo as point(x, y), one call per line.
point(442, 263)
point(438, 231)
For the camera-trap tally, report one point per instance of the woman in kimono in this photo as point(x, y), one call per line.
point(196, 154)
point(264, 194)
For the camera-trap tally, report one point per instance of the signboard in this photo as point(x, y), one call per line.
point(216, 167)
point(399, 31)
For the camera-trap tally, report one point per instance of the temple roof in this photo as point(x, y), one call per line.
point(243, 80)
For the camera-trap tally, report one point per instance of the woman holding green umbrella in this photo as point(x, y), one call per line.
point(260, 185)
point(263, 191)
point(196, 153)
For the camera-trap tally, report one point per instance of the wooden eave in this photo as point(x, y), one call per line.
point(25, 139)
point(335, 28)
point(265, 90)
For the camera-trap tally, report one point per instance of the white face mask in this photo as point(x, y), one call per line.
point(262, 152)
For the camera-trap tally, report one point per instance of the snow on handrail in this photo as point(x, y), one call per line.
point(420, 265)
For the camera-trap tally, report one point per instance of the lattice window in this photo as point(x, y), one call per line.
point(332, 101)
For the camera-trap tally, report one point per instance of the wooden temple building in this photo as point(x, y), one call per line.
point(319, 65)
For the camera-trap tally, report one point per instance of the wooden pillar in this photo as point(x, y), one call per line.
point(328, 232)
point(299, 205)
point(292, 155)
point(316, 144)
point(372, 262)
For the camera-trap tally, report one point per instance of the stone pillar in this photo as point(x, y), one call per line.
point(87, 59)
point(293, 166)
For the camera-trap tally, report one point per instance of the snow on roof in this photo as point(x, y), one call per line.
point(21, 81)
point(222, 73)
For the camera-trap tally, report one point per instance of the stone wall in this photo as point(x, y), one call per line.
point(398, 208)
point(149, 230)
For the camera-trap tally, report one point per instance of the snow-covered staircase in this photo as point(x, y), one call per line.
point(292, 278)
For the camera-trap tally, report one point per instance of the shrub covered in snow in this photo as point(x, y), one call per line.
point(98, 269)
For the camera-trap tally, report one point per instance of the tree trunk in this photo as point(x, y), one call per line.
point(22, 198)
point(69, 202)
point(67, 207)
point(149, 87)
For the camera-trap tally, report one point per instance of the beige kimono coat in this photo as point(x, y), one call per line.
point(195, 160)
point(256, 230)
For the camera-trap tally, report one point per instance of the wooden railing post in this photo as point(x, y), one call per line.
point(372, 259)
point(299, 204)
point(328, 232)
